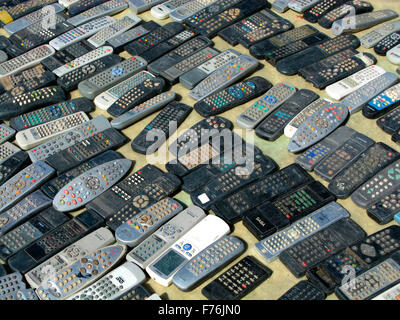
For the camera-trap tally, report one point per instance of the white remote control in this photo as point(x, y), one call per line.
point(393, 55)
point(162, 11)
point(67, 3)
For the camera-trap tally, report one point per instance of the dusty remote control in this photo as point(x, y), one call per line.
point(13, 164)
point(187, 9)
point(320, 9)
point(7, 149)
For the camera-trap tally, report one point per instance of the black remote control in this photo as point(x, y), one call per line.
point(384, 209)
point(302, 291)
point(237, 281)
point(159, 129)
point(270, 217)
point(382, 103)
point(320, 246)
point(273, 126)
point(291, 65)
point(387, 43)
point(232, 96)
point(83, 5)
point(71, 157)
point(12, 165)
point(321, 9)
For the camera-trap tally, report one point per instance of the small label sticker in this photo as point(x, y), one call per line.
point(203, 198)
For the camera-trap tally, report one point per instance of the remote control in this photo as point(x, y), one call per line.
point(369, 163)
point(138, 6)
point(232, 96)
point(160, 128)
point(136, 293)
point(81, 273)
point(23, 183)
point(110, 77)
point(72, 79)
point(208, 262)
point(29, 138)
point(30, 101)
point(191, 78)
point(13, 12)
point(281, 5)
point(187, 9)
point(37, 16)
point(83, 5)
point(320, 9)
point(302, 5)
point(159, 241)
point(90, 184)
point(373, 37)
point(239, 280)
point(318, 126)
point(357, 258)
point(141, 226)
point(6, 133)
point(270, 217)
point(113, 285)
point(389, 122)
point(212, 26)
point(259, 26)
point(264, 106)
point(272, 127)
point(373, 281)
point(114, 29)
point(343, 156)
point(106, 8)
point(354, 82)
point(292, 64)
point(153, 38)
point(82, 32)
point(142, 110)
point(73, 247)
point(67, 3)
point(13, 288)
point(387, 43)
point(26, 233)
point(303, 291)
point(24, 209)
point(224, 76)
point(67, 139)
point(200, 133)
point(84, 150)
point(393, 55)
point(7, 150)
point(362, 21)
point(162, 10)
point(391, 294)
point(353, 7)
point(384, 210)
point(10, 166)
point(203, 234)
point(291, 128)
point(26, 60)
point(382, 103)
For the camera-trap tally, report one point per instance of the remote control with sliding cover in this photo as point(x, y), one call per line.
point(292, 64)
point(191, 78)
point(13, 164)
point(142, 110)
point(203, 234)
point(114, 29)
point(272, 127)
point(362, 21)
point(257, 27)
point(142, 225)
point(81, 32)
point(348, 8)
point(159, 128)
point(138, 6)
point(82, 6)
point(84, 150)
point(13, 12)
point(270, 217)
point(239, 280)
point(73, 247)
point(343, 156)
point(302, 5)
point(31, 100)
point(387, 43)
point(359, 257)
point(393, 55)
point(320, 9)
point(232, 96)
point(159, 241)
point(81, 273)
point(375, 36)
point(95, 85)
point(26, 60)
point(382, 103)
point(187, 9)
point(29, 138)
point(264, 106)
point(303, 291)
point(114, 285)
point(318, 126)
point(26, 233)
point(369, 163)
point(224, 76)
point(106, 8)
point(143, 91)
point(208, 262)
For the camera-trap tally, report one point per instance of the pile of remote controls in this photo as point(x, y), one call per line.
point(131, 229)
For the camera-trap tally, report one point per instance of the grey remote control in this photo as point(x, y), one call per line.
point(224, 76)
point(102, 81)
point(188, 9)
point(142, 110)
point(302, 5)
point(373, 37)
point(142, 225)
point(271, 100)
point(7, 149)
point(158, 242)
point(163, 10)
point(6, 133)
point(281, 5)
point(138, 6)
